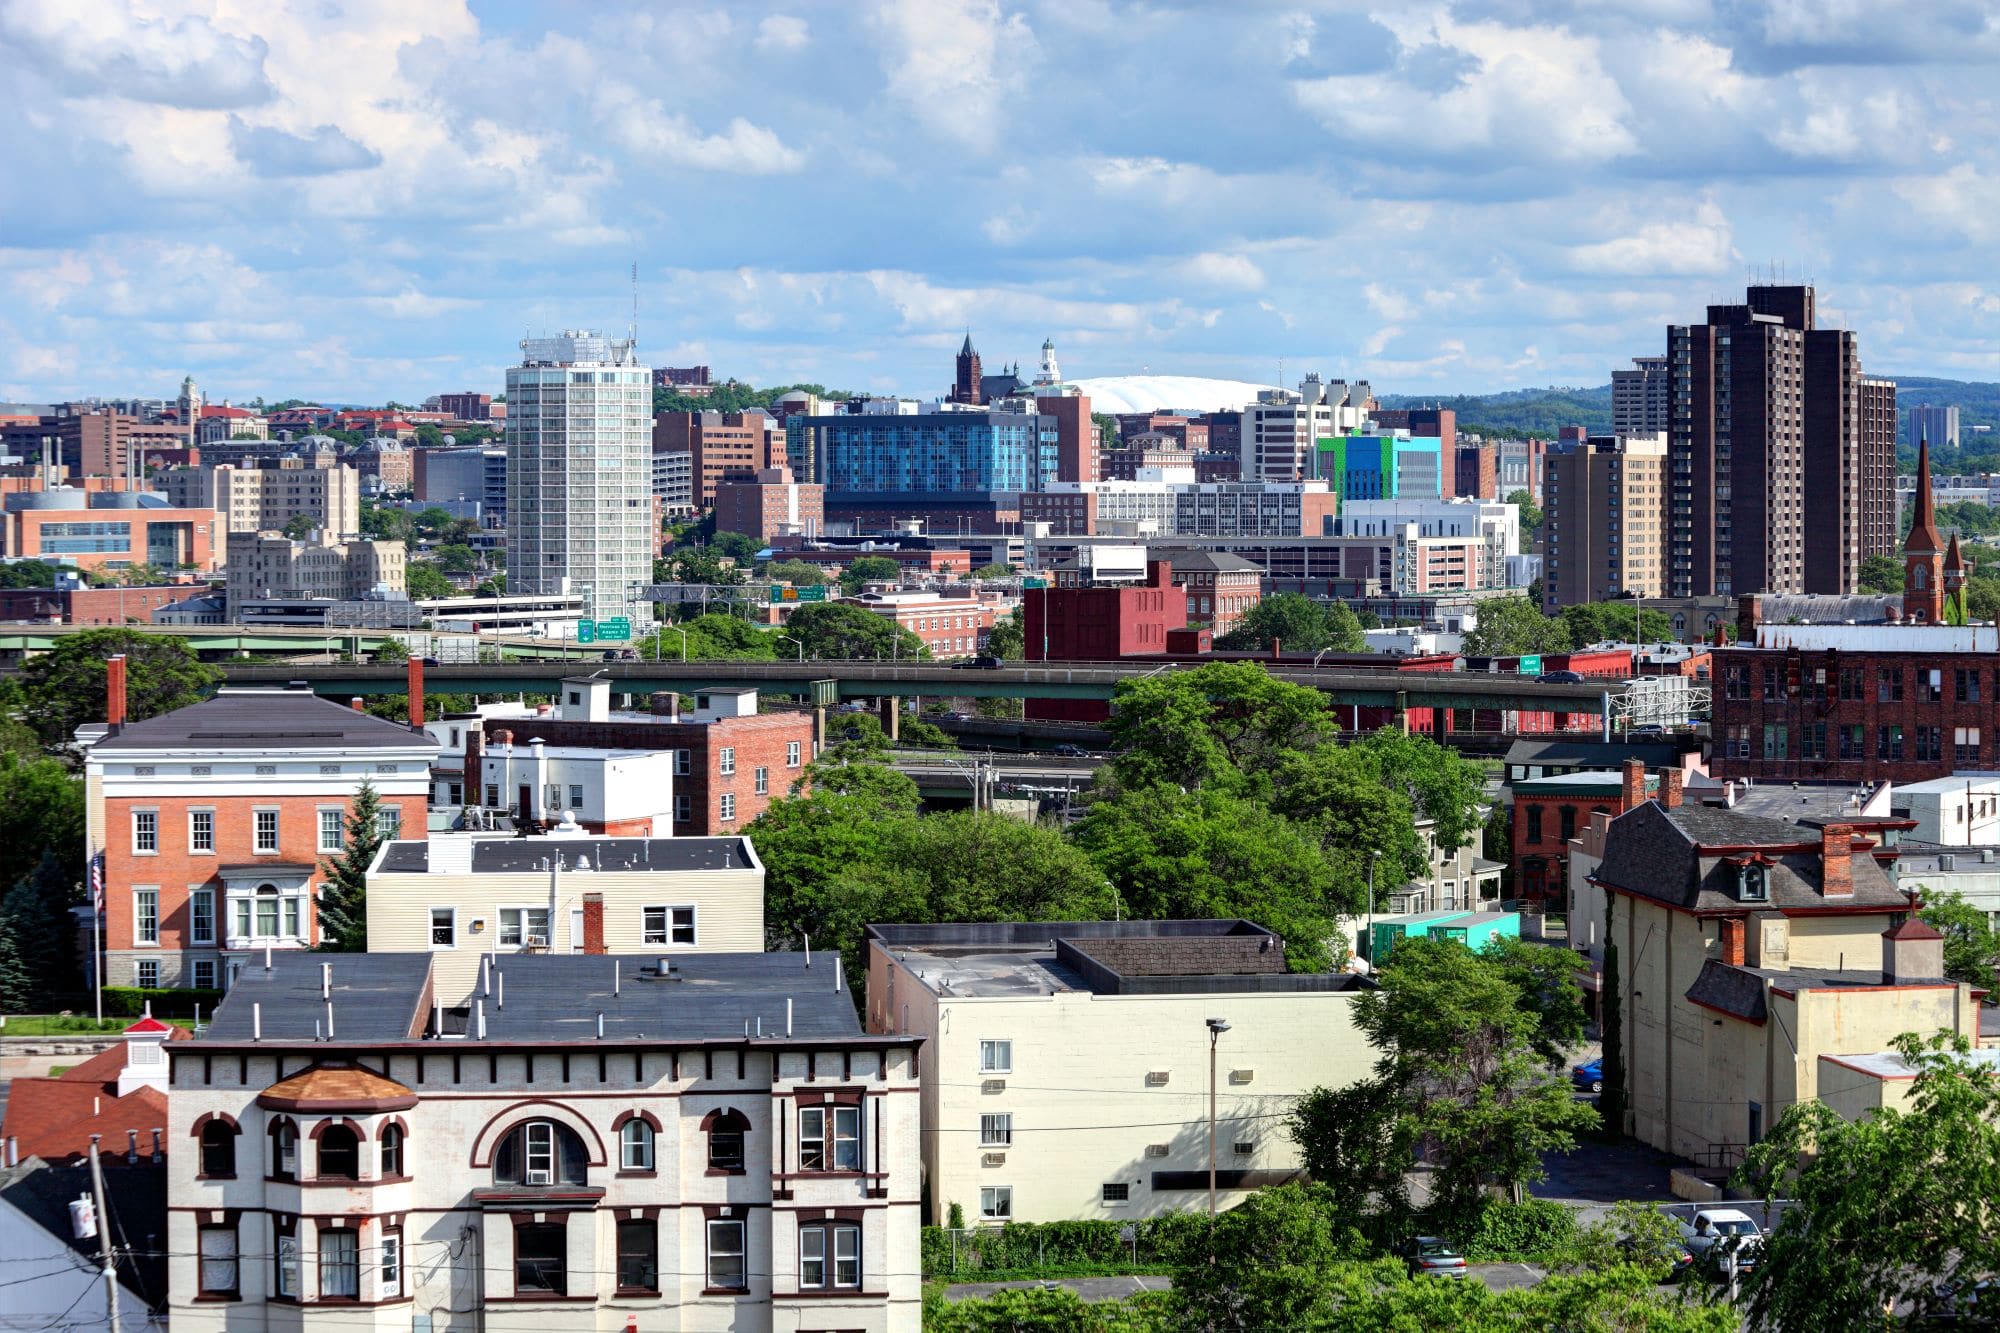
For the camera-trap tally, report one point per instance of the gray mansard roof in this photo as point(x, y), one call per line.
point(1678, 858)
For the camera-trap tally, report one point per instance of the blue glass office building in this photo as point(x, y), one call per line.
point(939, 453)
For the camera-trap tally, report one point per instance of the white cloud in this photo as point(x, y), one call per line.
point(111, 49)
point(1234, 272)
point(1697, 247)
point(781, 32)
point(955, 63)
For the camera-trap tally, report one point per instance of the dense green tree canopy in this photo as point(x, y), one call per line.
point(1007, 640)
point(870, 569)
point(1210, 723)
point(1969, 942)
point(795, 572)
point(840, 632)
point(64, 687)
point(716, 637)
point(1298, 625)
point(738, 546)
point(1616, 622)
point(1510, 626)
point(1881, 574)
point(28, 574)
point(1531, 516)
point(424, 581)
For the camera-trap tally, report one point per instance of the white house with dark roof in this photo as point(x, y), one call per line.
point(698, 1142)
point(1748, 950)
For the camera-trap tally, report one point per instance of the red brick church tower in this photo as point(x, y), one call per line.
point(965, 388)
point(1923, 553)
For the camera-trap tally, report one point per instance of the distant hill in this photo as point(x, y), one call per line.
point(1516, 413)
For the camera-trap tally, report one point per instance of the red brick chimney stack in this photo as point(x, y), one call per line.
point(1670, 788)
point(1633, 790)
point(593, 923)
point(1836, 854)
point(357, 705)
point(475, 747)
point(415, 671)
point(114, 692)
point(1732, 940)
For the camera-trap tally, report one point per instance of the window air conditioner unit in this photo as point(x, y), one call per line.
point(1157, 1079)
point(1244, 1148)
point(1242, 1075)
point(538, 941)
point(994, 1085)
point(1156, 1150)
point(993, 1159)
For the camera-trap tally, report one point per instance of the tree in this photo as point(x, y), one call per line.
point(64, 687)
point(1969, 942)
point(1460, 1058)
point(343, 898)
point(1511, 627)
point(795, 572)
point(987, 573)
point(1881, 574)
point(300, 526)
point(1531, 515)
point(41, 813)
point(715, 637)
point(1548, 982)
point(456, 558)
point(738, 546)
point(432, 520)
point(1274, 1262)
point(391, 651)
point(425, 583)
point(37, 935)
point(1439, 785)
point(141, 575)
point(1042, 1310)
point(1611, 1102)
point(696, 564)
point(494, 586)
point(870, 569)
point(1885, 1208)
point(1293, 621)
point(1343, 629)
point(841, 632)
point(1008, 638)
point(28, 574)
point(1616, 622)
point(1355, 1135)
point(1107, 429)
point(387, 524)
point(1211, 723)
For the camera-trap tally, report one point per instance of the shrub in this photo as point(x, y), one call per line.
point(1534, 1230)
point(130, 1001)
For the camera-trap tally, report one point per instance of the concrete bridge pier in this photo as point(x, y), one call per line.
point(892, 717)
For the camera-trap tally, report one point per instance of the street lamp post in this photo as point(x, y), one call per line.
point(680, 630)
point(786, 638)
point(1373, 857)
point(1216, 1027)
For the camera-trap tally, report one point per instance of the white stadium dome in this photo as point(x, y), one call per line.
point(1122, 394)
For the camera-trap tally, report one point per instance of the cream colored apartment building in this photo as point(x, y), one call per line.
point(1750, 949)
point(462, 897)
point(1066, 1065)
point(270, 564)
point(1604, 527)
point(260, 499)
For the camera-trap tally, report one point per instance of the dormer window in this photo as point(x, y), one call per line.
point(1753, 882)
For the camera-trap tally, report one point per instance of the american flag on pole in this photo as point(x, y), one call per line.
point(97, 881)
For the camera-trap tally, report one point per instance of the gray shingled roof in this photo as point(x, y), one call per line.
point(1733, 990)
point(261, 720)
point(515, 856)
point(1653, 852)
point(1595, 754)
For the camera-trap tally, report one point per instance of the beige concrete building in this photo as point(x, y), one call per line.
point(466, 897)
point(1749, 950)
point(1066, 1065)
point(270, 564)
point(595, 1145)
point(1604, 526)
point(259, 499)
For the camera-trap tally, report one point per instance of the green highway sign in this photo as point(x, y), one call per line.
point(618, 627)
point(586, 631)
point(1531, 665)
point(811, 593)
point(1032, 582)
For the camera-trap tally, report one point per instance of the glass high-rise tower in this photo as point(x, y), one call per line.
point(580, 473)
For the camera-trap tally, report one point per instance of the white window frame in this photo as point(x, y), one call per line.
point(257, 847)
point(846, 1141)
point(195, 847)
point(392, 1266)
point(145, 831)
point(725, 761)
point(339, 825)
point(635, 1145)
point(576, 796)
point(196, 897)
point(145, 902)
point(996, 1055)
point(139, 970)
point(669, 927)
point(726, 813)
point(763, 781)
point(288, 1264)
point(389, 822)
point(793, 750)
point(452, 912)
point(198, 965)
point(996, 1129)
point(739, 1231)
point(996, 1203)
point(545, 1150)
point(522, 918)
point(846, 1232)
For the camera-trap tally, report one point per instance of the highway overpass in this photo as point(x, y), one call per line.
point(825, 683)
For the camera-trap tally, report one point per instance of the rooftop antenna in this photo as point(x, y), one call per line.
point(633, 330)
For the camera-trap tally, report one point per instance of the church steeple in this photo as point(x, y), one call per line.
point(965, 386)
point(1923, 552)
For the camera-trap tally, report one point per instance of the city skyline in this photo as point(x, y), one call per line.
point(1465, 198)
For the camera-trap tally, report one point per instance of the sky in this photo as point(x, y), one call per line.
point(356, 200)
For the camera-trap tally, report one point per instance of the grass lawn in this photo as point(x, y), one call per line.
point(70, 1025)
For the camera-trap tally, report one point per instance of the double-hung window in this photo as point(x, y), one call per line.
point(830, 1138)
point(392, 1264)
point(331, 835)
point(219, 1261)
point(265, 826)
point(639, 1255)
point(339, 1264)
point(683, 763)
point(792, 749)
point(669, 925)
point(763, 780)
point(146, 916)
point(147, 973)
point(728, 804)
point(201, 916)
point(444, 928)
point(996, 1130)
point(829, 1255)
point(725, 1255)
point(287, 1264)
point(146, 832)
point(541, 1154)
point(635, 1146)
point(725, 762)
point(201, 830)
point(518, 925)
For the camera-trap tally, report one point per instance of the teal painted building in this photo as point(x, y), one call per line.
point(1381, 467)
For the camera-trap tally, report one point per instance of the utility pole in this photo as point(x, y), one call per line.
point(1216, 1027)
point(104, 1236)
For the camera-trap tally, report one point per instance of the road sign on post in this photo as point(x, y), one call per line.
point(1531, 665)
point(1033, 581)
point(618, 627)
point(810, 593)
point(586, 631)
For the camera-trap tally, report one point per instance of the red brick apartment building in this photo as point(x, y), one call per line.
point(726, 446)
point(215, 821)
point(1902, 702)
point(1549, 811)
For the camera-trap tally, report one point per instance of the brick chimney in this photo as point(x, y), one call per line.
point(415, 672)
point(1912, 951)
point(114, 692)
point(1670, 788)
point(593, 923)
point(357, 705)
point(1746, 619)
point(1733, 931)
point(666, 704)
point(1633, 790)
point(475, 746)
point(1160, 573)
point(1836, 854)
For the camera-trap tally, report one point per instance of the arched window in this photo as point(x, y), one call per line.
point(392, 1150)
point(284, 1150)
point(218, 1150)
point(726, 1132)
point(635, 1146)
point(339, 1153)
point(540, 1152)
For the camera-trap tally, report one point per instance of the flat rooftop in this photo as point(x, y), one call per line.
point(1023, 959)
point(538, 855)
point(383, 999)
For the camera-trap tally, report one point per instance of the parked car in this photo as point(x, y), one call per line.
point(1432, 1256)
point(1561, 678)
point(1070, 750)
point(983, 662)
point(1715, 1232)
point(1588, 1076)
point(1647, 731)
